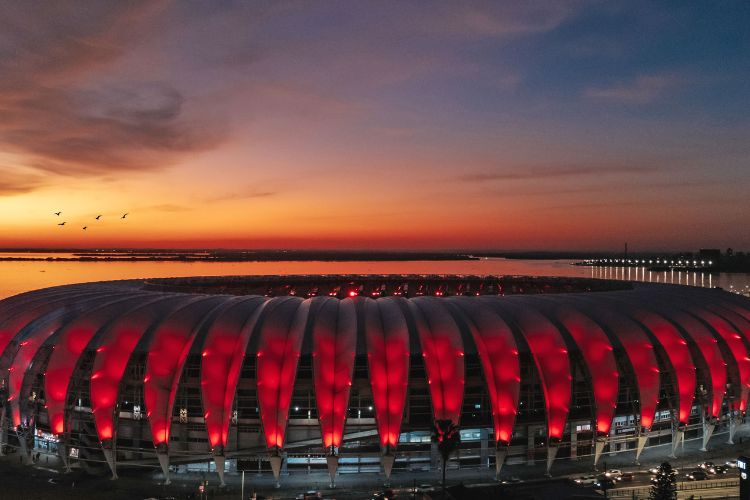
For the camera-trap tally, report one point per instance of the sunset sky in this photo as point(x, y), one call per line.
point(386, 125)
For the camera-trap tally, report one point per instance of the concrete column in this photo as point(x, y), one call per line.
point(530, 446)
point(573, 443)
point(484, 447)
point(3, 431)
point(434, 457)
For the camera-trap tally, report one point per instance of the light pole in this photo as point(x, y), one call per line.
point(242, 488)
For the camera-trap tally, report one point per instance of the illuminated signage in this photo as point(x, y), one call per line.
point(742, 463)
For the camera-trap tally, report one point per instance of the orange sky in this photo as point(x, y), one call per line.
point(541, 126)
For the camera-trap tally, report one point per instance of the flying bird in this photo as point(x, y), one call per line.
point(61, 224)
point(58, 213)
point(124, 215)
point(84, 227)
point(98, 217)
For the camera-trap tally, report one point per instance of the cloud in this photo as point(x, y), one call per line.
point(59, 109)
point(641, 90)
point(242, 195)
point(13, 182)
point(166, 207)
point(498, 19)
point(554, 172)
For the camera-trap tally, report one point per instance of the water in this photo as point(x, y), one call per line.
point(21, 276)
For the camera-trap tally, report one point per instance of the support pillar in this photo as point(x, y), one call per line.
point(501, 451)
point(3, 431)
point(63, 451)
point(164, 463)
point(642, 439)
point(108, 448)
point(332, 461)
point(484, 447)
point(386, 460)
point(599, 444)
point(573, 443)
point(275, 459)
point(551, 454)
point(531, 444)
point(708, 429)
point(732, 428)
point(612, 445)
point(677, 437)
point(220, 461)
point(21, 434)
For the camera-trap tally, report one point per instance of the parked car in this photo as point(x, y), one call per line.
point(697, 475)
point(731, 464)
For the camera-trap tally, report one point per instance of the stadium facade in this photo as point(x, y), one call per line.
point(351, 373)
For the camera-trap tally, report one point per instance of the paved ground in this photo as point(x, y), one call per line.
point(33, 482)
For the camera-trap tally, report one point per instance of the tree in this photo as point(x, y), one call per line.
point(665, 485)
point(445, 433)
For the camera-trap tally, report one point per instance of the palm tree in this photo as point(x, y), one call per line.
point(445, 433)
point(665, 486)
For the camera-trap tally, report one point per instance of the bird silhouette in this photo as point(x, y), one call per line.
point(85, 227)
point(58, 213)
point(124, 215)
point(61, 224)
point(98, 217)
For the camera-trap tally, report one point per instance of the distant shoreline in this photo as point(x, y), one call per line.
point(231, 256)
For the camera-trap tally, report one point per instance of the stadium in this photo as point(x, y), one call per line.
point(278, 374)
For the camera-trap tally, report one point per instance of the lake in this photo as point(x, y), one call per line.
point(21, 276)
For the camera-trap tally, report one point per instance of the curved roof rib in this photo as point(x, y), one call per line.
point(387, 340)
point(334, 335)
point(224, 351)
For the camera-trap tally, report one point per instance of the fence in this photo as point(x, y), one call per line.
point(683, 486)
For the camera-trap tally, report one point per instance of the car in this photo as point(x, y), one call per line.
point(655, 470)
point(310, 495)
point(627, 476)
point(604, 483)
point(706, 465)
point(720, 469)
point(615, 474)
point(732, 464)
point(511, 480)
point(384, 495)
point(697, 475)
point(585, 480)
